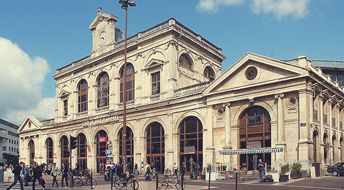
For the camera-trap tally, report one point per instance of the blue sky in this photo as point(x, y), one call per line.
point(47, 35)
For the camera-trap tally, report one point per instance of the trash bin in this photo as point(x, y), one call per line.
point(304, 174)
point(1, 175)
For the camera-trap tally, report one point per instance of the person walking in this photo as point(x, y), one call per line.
point(16, 171)
point(54, 172)
point(175, 169)
point(37, 174)
point(64, 171)
point(26, 173)
point(261, 168)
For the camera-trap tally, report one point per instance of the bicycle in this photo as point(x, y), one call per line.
point(85, 181)
point(119, 182)
point(171, 182)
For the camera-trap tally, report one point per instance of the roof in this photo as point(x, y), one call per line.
point(328, 64)
point(8, 124)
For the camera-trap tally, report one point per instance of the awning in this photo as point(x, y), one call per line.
point(250, 151)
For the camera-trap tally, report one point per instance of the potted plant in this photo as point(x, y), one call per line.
point(283, 177)
point(296, 170)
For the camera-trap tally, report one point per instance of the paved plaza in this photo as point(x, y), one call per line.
point(325, 183)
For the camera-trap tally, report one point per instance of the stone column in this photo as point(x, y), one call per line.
point(116, 93)
point(304, 147)
point(227, 113)
point(208, 156)
point(170, 77)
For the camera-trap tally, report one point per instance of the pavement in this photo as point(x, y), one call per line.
point(319, 183)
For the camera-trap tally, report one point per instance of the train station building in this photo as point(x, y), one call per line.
point(182, 108)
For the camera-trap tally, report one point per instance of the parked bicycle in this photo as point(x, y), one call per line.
point(86, 180)
point(171, 182)
point(120, 183)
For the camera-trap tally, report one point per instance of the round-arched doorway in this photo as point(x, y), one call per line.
point(255, 132)
point(191, 143)
point(64, 150)
point(155, 143)
point(129, 147)
point(100, 140)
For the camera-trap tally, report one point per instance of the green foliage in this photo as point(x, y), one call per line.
point(11, 159)
point(296, 168)
point(285, 169)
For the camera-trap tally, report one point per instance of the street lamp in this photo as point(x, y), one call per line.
point(125, 4)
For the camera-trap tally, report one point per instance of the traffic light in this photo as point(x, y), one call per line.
point(72, 142)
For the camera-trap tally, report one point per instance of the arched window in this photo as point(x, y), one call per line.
point(100, 141)
point(156, 146)
point(129, 145)
point(64, 150)
point(333, 149)
point(130, 83)
point(185, 61)
point(50, 150)
point(326, 148)
point(209, 73)
point(315, 145)
point(191, 143)
point(32, 151)
point(103, 90)
point(255, 129)
point(82, 152)
point(82, 96)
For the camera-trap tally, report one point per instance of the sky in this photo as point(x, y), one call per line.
point(39, 36)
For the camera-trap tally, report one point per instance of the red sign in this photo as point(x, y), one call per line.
point(189, 150)
point(102, 139)
point(254, 144)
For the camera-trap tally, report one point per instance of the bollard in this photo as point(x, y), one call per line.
point(111, 179)
point(156, 181)
point(209, 180)
point(182, 181)
point(91, 181)
point(70, 180)
point(236, 181)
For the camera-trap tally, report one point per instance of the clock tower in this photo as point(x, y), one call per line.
point(103, 32)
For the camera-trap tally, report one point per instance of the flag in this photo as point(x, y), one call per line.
point(102, 139)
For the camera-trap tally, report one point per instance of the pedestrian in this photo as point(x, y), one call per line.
point(64, 171)
point(136, 171)
point(54, 172)
point(175, 169)
point(37, 174)
point(261, 168)
point(26, 174)
point(16, 171)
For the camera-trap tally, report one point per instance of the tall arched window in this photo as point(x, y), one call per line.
point(82, 96)
point(64, 150)
point(315, 145)
point(130, 83)
point(32, 151)
point(185, 61)
point(191, 143)
point(103, 90)
point(255, 129)
point(334, 149)
point(326, 148)
point(209, 73)
point(100, 140)
point(50, 150)
point(129, 145)
point(82, 152)
point(156, 146)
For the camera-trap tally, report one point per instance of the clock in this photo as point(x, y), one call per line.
point(102, 37)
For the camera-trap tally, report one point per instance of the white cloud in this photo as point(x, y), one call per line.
point(279, 8)
point(21, 79)
point(214, 5)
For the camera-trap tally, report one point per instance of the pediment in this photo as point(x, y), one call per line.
point(29, 123)
point(100, 17)
point(153, 63)
point(63, 94)
point(252, 70)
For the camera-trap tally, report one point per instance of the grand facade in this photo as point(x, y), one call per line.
point(181, 109)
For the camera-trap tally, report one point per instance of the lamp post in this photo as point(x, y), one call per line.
point(125, 4)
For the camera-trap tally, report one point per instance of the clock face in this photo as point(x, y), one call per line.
point(102, 37)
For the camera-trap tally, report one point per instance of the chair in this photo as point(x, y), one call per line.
point(242, 176)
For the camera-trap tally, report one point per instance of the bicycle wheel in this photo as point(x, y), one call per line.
point(117, 183)
point(94, 183)
point(131, 183)
point(77, 183)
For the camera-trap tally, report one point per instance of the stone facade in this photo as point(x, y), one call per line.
point(290, 101)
